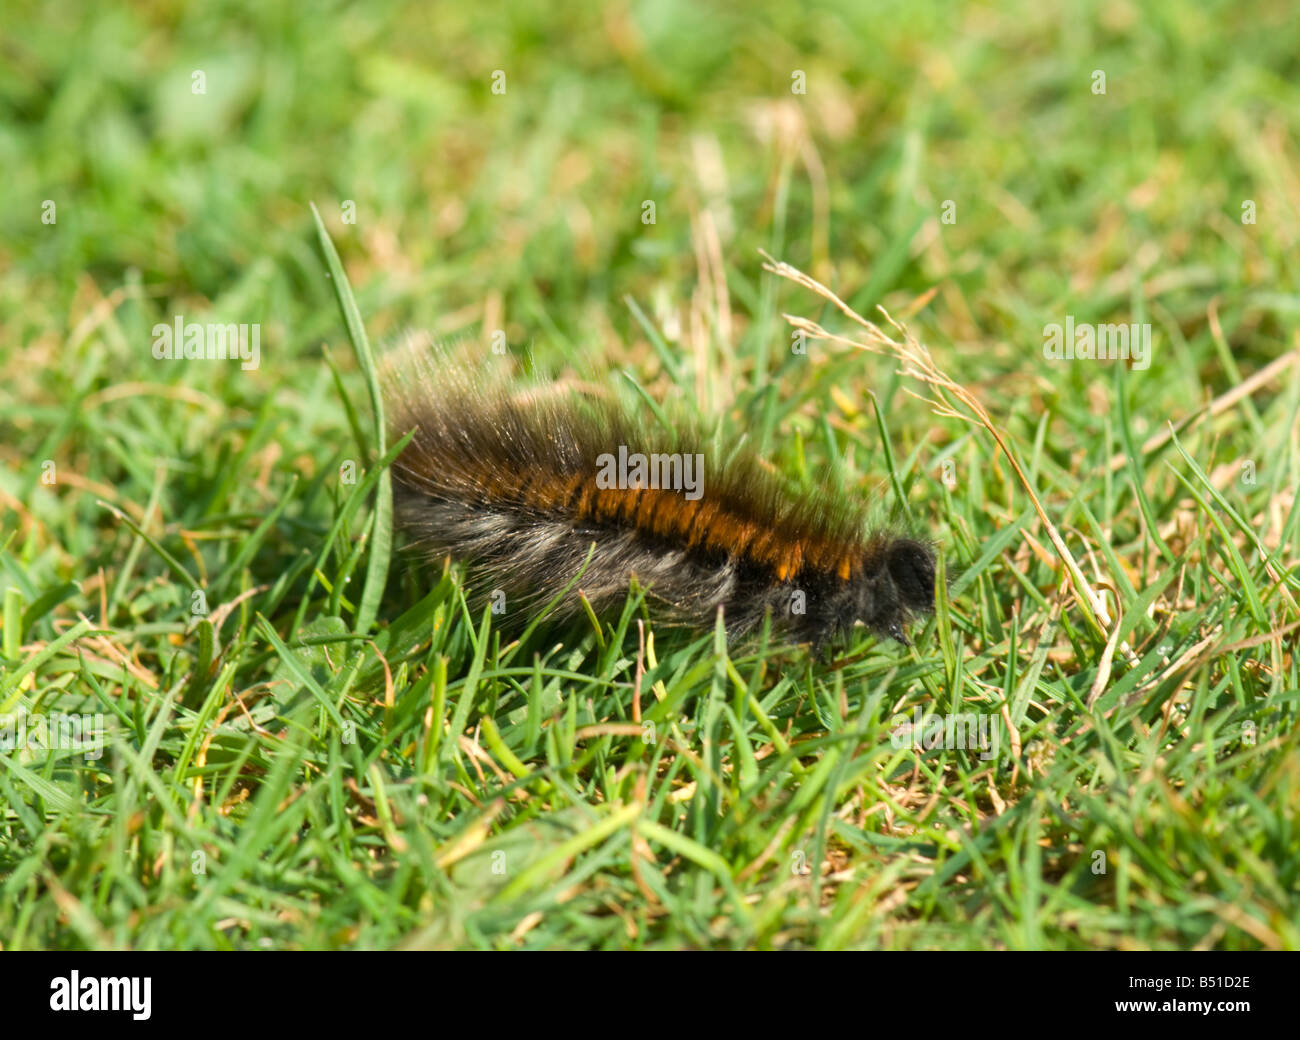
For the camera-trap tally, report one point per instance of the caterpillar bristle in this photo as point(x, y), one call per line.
point(531, 490)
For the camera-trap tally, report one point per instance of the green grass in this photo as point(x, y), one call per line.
point(312, 744)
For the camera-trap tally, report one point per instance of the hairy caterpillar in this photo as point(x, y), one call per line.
point(533, 487)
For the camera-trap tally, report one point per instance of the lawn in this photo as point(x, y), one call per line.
point(291, 733)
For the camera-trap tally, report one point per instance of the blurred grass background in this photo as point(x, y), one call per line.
point(523, 211)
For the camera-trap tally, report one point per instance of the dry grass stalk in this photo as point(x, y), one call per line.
point(951, 399)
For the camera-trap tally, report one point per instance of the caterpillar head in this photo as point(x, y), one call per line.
point(898, 586)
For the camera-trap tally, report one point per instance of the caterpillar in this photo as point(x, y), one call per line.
point(535, 487)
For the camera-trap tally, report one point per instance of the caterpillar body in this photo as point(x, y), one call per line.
point(535, 488)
